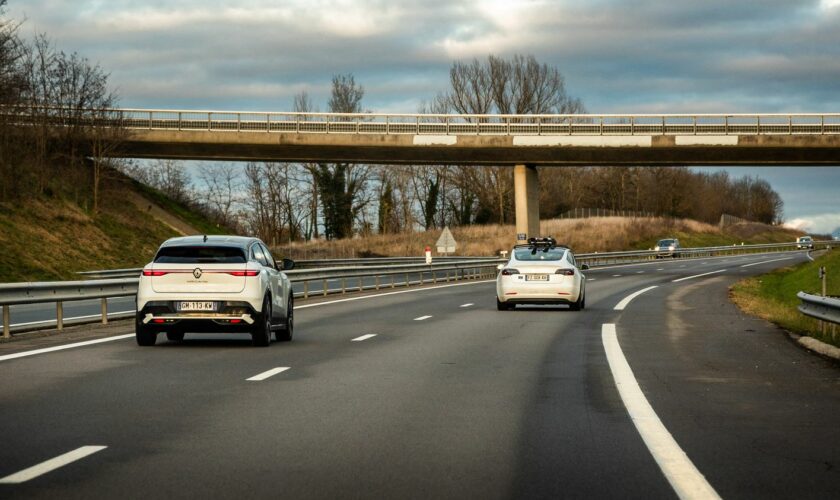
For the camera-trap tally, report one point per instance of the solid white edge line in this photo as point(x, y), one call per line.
point(63, 347)
point(697, 276)
point(766, 262)
point(626, 300)
point(270, 373)
point(421, 318)
point(364, 337)
point(111, 314)
point(51, 464)
point(374, 296)
point(685, 478)
point(808, 254)
point(468, 304)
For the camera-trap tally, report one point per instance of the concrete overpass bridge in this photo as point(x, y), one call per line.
point(520, 141)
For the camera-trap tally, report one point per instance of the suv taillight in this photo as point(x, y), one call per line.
point(244, 273)
point(509, 270)
point(565, 272)
point(149, 272)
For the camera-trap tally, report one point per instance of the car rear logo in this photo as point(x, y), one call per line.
point(197, 273)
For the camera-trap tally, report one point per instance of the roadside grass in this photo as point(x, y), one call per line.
point(772, 296)
point(178, 209)
point(601, 234)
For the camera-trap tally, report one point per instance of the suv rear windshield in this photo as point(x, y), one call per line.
point(665, 243)
point(538, 254)
point(202, 254)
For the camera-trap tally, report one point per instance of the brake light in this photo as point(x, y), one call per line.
point(509, 270)
point(148, 272)
point(565, 272)
point(244, 273)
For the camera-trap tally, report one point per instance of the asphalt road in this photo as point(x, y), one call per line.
point(468, 402)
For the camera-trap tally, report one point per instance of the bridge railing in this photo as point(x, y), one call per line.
point(440, 124)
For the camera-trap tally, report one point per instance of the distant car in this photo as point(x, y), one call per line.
point(805, 242)
point(214, 284)
point(669, 247)
point(541, 272)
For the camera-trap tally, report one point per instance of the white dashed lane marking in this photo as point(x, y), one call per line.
point(421, 318)
point(51, 464)
point(698, 275)
point(468, 304)
point(766, 262)
point(364, 337)
point(269, 373)
point(626, 300)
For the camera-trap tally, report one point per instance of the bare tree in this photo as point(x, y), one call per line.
point(221, 190)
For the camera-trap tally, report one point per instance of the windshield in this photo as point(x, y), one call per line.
point(538, 254)
point(805, 238)
point(200, 254)
point(667, 243)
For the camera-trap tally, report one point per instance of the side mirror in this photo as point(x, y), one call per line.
point(288, 264)
point(500, 267)
point(584, 267)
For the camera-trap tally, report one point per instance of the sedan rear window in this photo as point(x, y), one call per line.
point(538, 254)
point(665, 243)
point(200, 255)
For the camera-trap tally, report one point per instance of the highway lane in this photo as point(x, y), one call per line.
point(469, 401)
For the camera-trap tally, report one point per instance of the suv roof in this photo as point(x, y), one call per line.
point(218, 240)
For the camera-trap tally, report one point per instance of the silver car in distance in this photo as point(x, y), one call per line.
point(541, 272)
point(214, 284)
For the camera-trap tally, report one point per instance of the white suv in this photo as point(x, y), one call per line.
point(214, 284)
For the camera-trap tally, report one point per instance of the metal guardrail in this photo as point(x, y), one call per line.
point(300, 264)
point(822, 308)
point(59, 292)
point(64, 291)
point(441, 124)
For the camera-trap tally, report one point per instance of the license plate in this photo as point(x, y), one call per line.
point(196, 306)
point(536, 277)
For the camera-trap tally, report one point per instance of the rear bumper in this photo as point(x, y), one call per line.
point(231, 316)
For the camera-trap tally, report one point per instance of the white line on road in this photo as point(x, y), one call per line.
point(378, 295)
point(616, 275)
point(51, 465)
point(63, 347)
point(421, 318)
point(684, 477)
point(698, 276)
point(640, 272)
point(364, 337)
point(626, 300)
point(661, 269)
point(808, 254)
point(269, 373)
point(766, 262)
point(468, 304)
point(111, 315)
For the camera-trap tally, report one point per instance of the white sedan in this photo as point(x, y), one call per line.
point(541, 272)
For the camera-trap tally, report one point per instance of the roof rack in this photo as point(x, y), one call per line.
point(544, 244)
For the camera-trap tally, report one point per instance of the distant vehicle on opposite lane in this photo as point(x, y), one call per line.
point(541, 272)
point(804, 242)
point(669, 247)
point(214, 284)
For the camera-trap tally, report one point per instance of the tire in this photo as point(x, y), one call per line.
point(261, 334)
point(580, 303)
point(144, 336)
point(175, 336)
point(503, 306)
point(285, 333)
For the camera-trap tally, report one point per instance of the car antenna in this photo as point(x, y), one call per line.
point(205, 238)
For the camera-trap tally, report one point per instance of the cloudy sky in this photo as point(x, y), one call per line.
point(644, 56)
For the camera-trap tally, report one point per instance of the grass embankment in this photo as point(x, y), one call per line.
point(48, 239)
point(583, 235)
point(773, 296)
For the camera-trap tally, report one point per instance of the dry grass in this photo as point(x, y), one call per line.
point(601, 234)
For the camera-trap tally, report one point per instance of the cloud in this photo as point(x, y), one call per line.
point(826, 223)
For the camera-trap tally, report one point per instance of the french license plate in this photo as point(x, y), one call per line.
point(536, 277)
point(196, 306)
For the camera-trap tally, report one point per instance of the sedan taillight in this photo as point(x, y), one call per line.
point(565, 272)
point(509, 270)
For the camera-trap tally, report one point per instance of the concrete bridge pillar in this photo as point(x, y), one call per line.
point(526, 193)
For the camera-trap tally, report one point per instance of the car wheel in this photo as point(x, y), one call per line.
point(580, 303)
point(286, 332)
point(261, 335)
point(503, 306)
point(175, 336)
point(143, 334)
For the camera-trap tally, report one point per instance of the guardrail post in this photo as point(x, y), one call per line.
point(376, 281)
point(393, 284)
point(305, 289)
point(104, 311)
point(325, 288)
point(59, 315)
point(343, 286)
point(6, 328)
point(407, 282)
point(434, 277)
point(360, 284)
